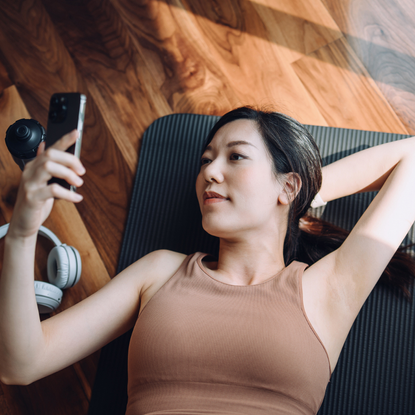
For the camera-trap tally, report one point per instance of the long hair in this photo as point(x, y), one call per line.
point(308, 239)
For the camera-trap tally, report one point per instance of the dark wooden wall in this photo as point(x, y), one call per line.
point(348, 63)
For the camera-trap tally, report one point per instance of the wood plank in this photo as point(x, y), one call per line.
point(12, 108)
point(57, 394)
point(382, 34)
point(250, 59)
point(39, 65)
point(299, 27)
point(5, 81)
point(174, 52)
point(344, 91)
point(212, 63)
point(113, 70)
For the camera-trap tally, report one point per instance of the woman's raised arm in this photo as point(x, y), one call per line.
point(364, 171)
point(337, 285)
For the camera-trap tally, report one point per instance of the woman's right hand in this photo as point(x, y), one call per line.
point(35, 197)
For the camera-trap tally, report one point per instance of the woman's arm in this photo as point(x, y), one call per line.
point(364, 171)
point(21, 336)
point(31, 349)
point(337, 285)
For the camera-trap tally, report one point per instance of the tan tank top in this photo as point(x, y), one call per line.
point(201, 346)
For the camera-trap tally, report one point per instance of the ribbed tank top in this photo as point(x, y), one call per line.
point(201, 346)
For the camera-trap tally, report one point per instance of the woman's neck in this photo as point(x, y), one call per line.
point(249, 262)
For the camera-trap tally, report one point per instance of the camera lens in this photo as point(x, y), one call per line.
point(58, 109)
point(53, 115)
point(22, 132)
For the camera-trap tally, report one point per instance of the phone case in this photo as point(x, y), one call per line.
point(66, 113)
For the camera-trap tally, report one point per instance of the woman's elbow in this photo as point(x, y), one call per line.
point(15, 379)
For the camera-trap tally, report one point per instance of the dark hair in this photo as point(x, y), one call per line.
point(293, 149)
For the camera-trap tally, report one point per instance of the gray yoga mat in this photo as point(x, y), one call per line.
point(376, 370)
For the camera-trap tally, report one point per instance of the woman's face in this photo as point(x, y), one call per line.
point(237, 189)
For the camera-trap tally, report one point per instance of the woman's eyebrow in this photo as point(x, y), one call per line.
point(234, 143)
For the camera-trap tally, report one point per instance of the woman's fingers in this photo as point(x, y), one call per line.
point(60, 171)
point(66, 141)
point(66, 159)
point(53, 162)
point(56, 162)
point(58, 192)
point(57, 152)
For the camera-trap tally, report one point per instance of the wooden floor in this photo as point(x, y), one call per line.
point(348, 63)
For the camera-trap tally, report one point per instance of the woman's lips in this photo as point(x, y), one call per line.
point(213, 197)
point(214, 200)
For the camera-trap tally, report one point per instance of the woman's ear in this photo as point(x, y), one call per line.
point(291, 187)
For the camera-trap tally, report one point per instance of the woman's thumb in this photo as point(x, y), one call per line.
point(41, 148)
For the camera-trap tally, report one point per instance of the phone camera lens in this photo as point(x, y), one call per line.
point(58, 109)
point(53, 115)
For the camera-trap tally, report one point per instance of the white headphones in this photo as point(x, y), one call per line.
point(64, 271)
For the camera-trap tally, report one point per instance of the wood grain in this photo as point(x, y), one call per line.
point(11, 106)
point(174, 52)
point(207, 57)
point(344, 91)
point(45, 396)
point(240, 45)
point(383, 37)
point(299, 27)
point(4, 78)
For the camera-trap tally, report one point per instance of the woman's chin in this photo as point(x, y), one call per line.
point(218, 231)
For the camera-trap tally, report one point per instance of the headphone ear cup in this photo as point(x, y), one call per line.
point(48, 297)
point(75, 266)
point(64, 266)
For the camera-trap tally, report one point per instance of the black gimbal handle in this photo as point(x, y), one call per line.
point(23, 138)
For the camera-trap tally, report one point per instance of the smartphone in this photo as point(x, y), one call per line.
point(66, 113)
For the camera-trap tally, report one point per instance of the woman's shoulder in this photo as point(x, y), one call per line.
point(165, 260)
point(160, 266)
point(166, 255)
point(161, 263)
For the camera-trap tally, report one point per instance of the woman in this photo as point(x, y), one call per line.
point(255, 331)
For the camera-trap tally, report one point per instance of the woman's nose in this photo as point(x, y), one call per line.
point(213, 172)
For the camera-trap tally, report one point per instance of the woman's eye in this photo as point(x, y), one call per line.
point(204, 160)
point(237, 157)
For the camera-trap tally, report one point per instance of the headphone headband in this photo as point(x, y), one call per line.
point(42, 231)
point(64, 270)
